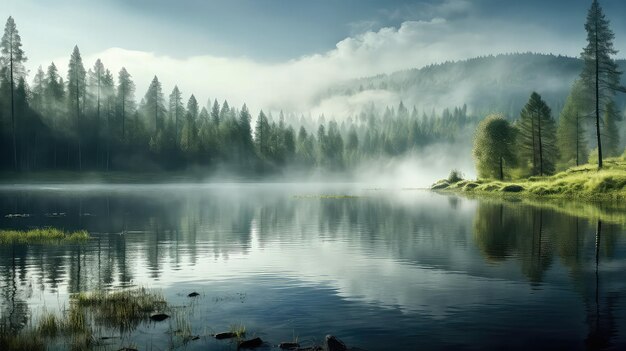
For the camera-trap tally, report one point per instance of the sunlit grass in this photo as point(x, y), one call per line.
point(42, 236)
point(586, 182)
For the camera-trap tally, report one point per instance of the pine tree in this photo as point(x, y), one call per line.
point(125, 98)
point(571, 130)
point(38, 90)
point(215, 114)
point(177, 110)
point(494, 147)
point(262, 136)
point(245, 133)
point(12, 62)
point(96, 77)
point(600, 74)
point(76, 84)
point(537, 139)
point(155, 104)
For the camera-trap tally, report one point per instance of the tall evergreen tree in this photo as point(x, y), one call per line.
point(537, 137)
point(125, 97)
point(76, 84)
point(571, 131)
point(600, 74)
point(155, 103)
point(177, 110)
point(215, 113)
point(38, 91)
point(262, 136)
point(245, 133)
point(96, 76)
point(12, 62)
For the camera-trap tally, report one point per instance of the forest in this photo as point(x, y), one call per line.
point(91, 121)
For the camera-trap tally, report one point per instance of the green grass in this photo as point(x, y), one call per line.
point(583, 182)
point(122, 309)
point(41, 236)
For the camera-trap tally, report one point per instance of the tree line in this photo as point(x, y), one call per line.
point(535, 144)
point(91, 120)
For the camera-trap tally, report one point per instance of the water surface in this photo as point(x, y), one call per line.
point(381, 269)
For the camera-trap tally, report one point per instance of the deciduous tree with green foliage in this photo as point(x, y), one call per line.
point(494, 147)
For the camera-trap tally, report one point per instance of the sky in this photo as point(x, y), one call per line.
point(281, 53)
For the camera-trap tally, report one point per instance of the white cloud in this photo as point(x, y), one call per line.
point(294, 84)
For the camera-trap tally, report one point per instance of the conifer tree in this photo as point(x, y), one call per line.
point(12, 62)
point(537, 136)
point(125, 98)
point(571, 132)
point(600, 74)
point(76, 84)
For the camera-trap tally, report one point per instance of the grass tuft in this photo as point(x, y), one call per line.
point(42, 236)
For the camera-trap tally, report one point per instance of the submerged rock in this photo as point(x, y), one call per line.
point(334, 344)
point(159, 317)
point(289, 345)
point(225, 335)
point(251, 343)
point(193, 294)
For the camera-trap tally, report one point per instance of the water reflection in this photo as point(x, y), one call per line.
point(412, 266)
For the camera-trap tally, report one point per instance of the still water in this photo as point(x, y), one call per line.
point(380, 269)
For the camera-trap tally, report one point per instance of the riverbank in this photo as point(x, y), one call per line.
point(582, 182)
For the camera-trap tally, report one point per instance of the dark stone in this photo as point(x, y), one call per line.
point(226, 335)
point(127, 349)
point(251, 343)
point(288, 345)
point(471, 186)
point(513, 188)
point(159, 317)
point(334, 344)
point(193, 294)
point(195, 338)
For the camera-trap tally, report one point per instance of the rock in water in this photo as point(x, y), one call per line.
point(193, 294)
point(289, 345)
point(334, 344)
point(159, 317)
point(226, 335)
point(251, 343)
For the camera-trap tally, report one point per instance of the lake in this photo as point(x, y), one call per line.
point(380, 269)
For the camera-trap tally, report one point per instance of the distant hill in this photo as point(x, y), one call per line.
point(500, 83)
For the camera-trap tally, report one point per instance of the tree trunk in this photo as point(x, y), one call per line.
point(540, 144)
point(15, 165)
point(501, 169)
point(598, 96)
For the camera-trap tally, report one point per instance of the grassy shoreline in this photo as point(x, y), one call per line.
point(582, 183)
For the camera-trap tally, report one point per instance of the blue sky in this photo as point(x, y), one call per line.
point(239, 48)
point(266, 30)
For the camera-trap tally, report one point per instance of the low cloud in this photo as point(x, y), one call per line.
point(295, 85)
